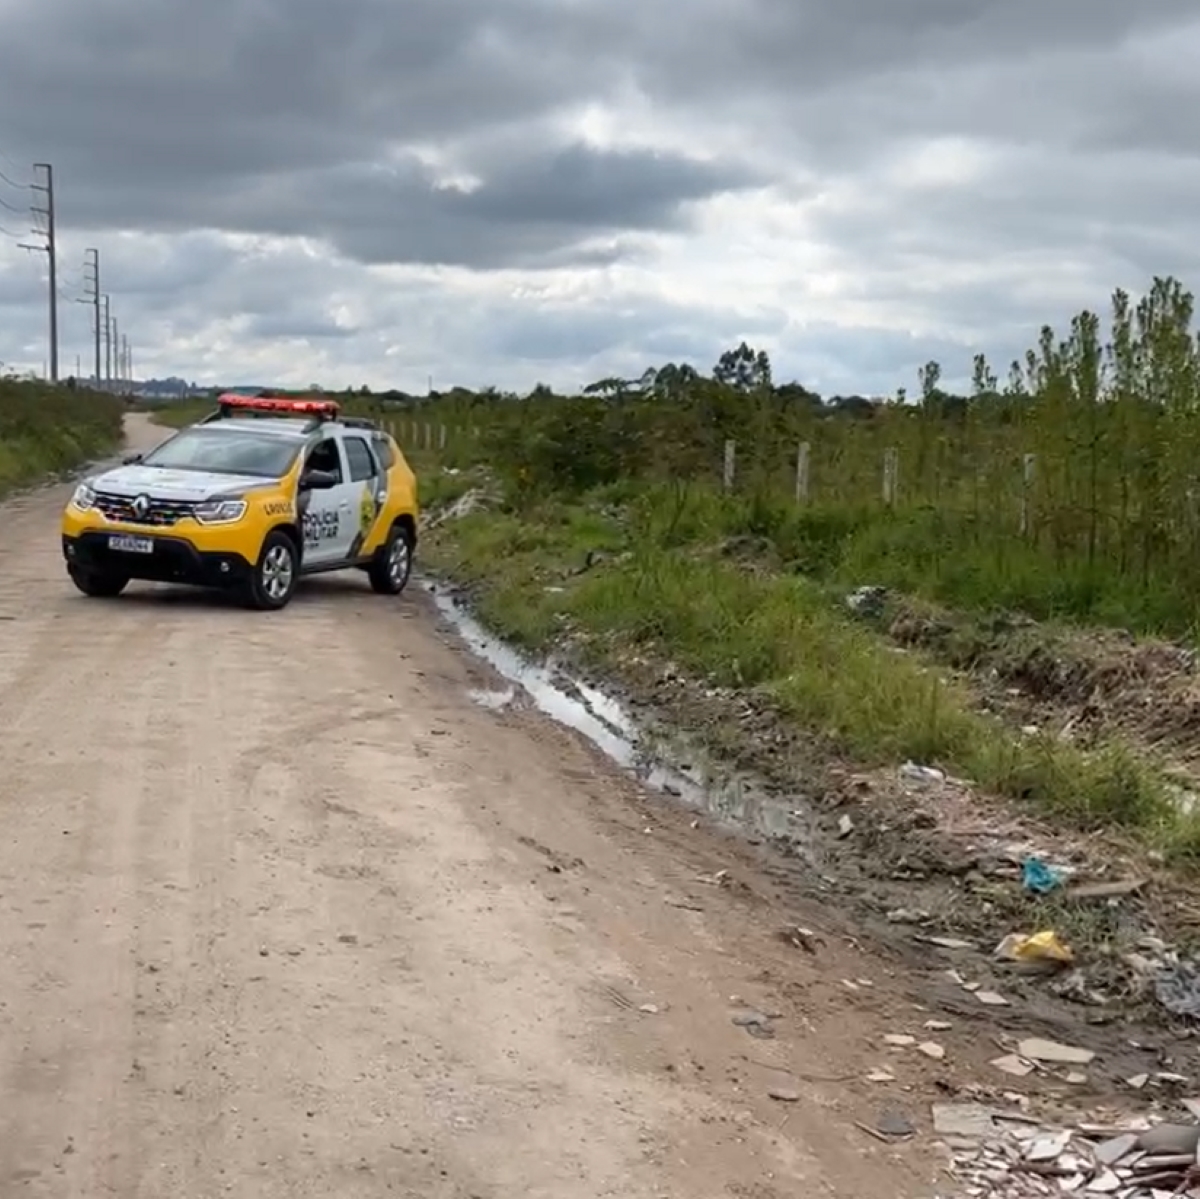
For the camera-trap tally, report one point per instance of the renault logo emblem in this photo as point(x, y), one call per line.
point(141, 506)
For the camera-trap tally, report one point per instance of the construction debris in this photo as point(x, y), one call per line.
point(1004, 1155)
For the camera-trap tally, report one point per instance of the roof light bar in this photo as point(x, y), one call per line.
point(328, 408)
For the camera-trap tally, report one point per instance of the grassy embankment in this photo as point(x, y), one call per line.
point(47, 430)
point(747, 590)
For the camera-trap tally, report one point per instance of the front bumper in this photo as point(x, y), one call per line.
point(174, 560)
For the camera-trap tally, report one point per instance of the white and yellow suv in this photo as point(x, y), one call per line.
point(251, 498)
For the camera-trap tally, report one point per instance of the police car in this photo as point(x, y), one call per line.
point(251, 498)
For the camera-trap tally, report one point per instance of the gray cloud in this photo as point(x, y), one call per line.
point(442, 209)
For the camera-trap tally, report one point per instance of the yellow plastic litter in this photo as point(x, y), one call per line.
point(1040, 947)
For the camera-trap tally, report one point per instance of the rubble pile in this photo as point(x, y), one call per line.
point(1002, 1154)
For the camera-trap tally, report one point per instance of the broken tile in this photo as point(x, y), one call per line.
point(881, 1076)
point(932, 1049)
point(1040, 1050)
point(991, 999)
point(1048, 1146)
point(937, 1025)
point(963, 1120)
point(1112, 1151)
point(1170, 1139)
point(899, 1040)
point(1011, 1064)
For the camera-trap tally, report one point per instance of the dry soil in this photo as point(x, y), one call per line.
point(284, 913)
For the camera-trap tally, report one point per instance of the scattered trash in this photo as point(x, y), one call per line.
point(868, 602)
point(651, 1009)
point(894, 1124)
point(1178, 989)
point(881, 1076)
point(921, 774)
point(1112, 890)
point(998, 1153)
point(907, 916)
point(801, 938)
point(1039, 878)
point(947, 942)
point(932, 1049)
point(899, 1040)
point(757, 1024)
point(784, 1095)
point(937, 1025)
point(845, 827)
point(1039, 950)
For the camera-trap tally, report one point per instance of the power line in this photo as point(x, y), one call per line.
point(91, 291)
point(6, 179)
point(50, 249)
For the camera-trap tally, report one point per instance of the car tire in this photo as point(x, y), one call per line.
point(391, 568)
point(99, 584)
point(276, 573)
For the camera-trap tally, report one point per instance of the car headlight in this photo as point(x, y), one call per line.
point(84, 498)
point(220, 512)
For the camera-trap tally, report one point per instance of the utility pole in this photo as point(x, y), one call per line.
point(116, 356)
point(107, 345)
point(91, 283)
point(125, 361)
point(50, 249)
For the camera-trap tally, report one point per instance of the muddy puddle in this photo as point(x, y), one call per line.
point(661, 762)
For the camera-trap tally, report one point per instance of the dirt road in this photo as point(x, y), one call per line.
point(284, 913)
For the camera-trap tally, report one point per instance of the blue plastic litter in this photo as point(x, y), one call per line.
point(1038, 877)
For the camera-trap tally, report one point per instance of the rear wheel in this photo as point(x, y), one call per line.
point(275, 573)
point(392, 565)
point(99, 584)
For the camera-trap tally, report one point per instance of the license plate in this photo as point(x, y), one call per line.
point(131, 545)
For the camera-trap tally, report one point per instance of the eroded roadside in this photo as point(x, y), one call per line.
point(926, 876)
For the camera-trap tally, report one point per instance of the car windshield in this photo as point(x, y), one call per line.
point(226, 452)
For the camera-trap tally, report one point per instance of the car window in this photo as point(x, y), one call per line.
point(362, 462)
point(324, 456)
point(383, 451)
point(225, 452)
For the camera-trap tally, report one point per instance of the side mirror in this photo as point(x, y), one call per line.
point(131, 459)
point(318, 480)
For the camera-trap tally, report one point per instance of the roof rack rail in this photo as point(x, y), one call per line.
point(358, 422)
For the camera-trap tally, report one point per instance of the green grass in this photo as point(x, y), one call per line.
point(45, 431)
point(673, 580)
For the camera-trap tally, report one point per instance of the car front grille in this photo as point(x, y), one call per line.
point(160, 514)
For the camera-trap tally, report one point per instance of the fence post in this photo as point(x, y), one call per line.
point(474, 432)
point(1028, 466)
point(891, 473)
point(428, 436)
point(803, 455)
point(441, 437)
point(730, 463)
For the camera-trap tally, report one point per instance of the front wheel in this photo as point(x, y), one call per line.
point(99, 584)
point(392, 565)
point(275, 573)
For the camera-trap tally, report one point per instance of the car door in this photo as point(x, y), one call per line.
point(330, 517)
point(370, 487)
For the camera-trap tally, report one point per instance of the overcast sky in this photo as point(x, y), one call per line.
point(514, 191)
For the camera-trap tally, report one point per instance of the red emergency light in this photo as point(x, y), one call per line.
point(232, 401)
